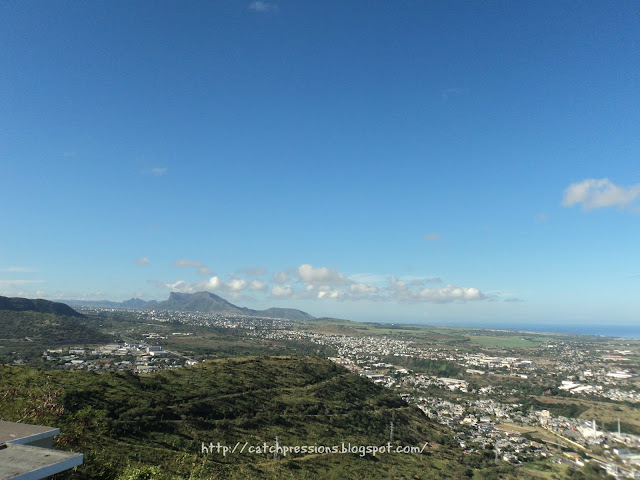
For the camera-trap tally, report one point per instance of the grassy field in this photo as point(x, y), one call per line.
point(428, 334)
point(417, 333)
point(509, 341)
point(510, 427)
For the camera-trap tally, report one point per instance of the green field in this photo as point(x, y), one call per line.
point(516, 340)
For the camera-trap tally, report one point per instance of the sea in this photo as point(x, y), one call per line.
point(619, 331)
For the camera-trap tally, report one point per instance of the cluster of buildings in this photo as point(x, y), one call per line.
point(510, 363)
point(480, 423)
point(595, 383)
point(140, 358)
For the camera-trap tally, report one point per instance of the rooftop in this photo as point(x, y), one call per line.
point(25, 452)
point(20, 462)
point(22, 433)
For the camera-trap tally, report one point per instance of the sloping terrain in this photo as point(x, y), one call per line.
point(18, 304)
point(128, 424)
point(46, 329)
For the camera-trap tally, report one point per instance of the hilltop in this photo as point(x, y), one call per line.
point(41, 322)
point(125, 423)
point(18, 304)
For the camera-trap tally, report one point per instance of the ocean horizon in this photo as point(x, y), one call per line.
point(615, 331)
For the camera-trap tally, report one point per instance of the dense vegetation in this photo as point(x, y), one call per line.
point(125, 424)
point(47, 329)
point(19, 304)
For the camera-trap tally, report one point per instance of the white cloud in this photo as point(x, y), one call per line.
point(214, 283)
point(179, 286)
point(202, 269)
point(13, 283)
point(328, 284)
point(397, 283)
point(541, 217)
point(252, 272)
point(258, 286)
point(237, 284)
point(368, 278)
point(432, 236)
point(399, 290)
point(16, 269)
point(452, 92)
point(282, 291)
point(233, 285)
point(155, 171)
point(446, 294)
point(280, 277)
point(331, 294)
point(417, 281)
point(598, 193)
point(143, 261)
point(363, 289)
point(260, 6)
point(408, 289)
point(320, 275)
point(183, 262)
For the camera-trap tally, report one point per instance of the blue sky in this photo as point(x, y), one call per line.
point(404, 161)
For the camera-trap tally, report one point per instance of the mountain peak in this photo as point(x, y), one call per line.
point(207, 302)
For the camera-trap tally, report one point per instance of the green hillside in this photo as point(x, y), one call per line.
point(125, 424)
point(46, 329)
point(18, 304)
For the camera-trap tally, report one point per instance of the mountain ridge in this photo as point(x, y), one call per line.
point(204, 302)
point(207, 302)
point(39, 305)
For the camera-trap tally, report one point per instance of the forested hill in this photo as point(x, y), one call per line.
point(154, 426)
point(44, 323)
point(18, 304)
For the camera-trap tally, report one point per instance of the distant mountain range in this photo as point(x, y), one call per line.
point(131, 304)
point(204, 302)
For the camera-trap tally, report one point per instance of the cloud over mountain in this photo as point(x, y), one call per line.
point(323, 283)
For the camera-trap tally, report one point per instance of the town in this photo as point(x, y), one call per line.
point(524, 402)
